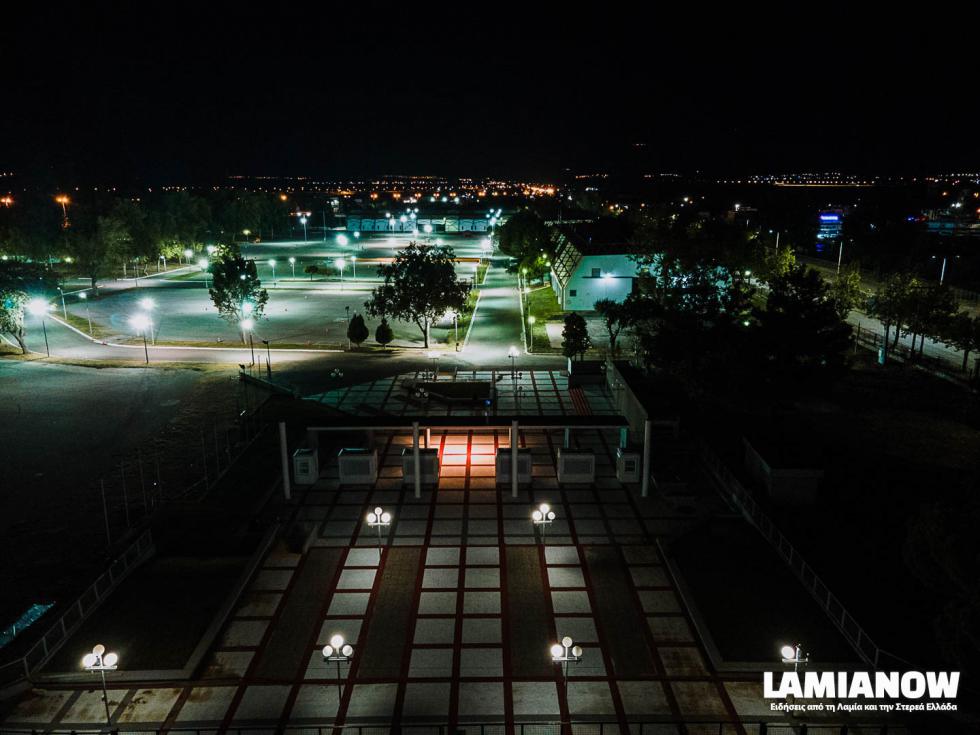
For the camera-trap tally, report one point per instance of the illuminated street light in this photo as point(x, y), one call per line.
point(434, 356)
point(303, 220)
point(565, 653)
point(211, 249)
point(40, 307)
point(101, 662)
point(794, 655)
point(141, 323)
point(203, 265)
point(353, 265)
point(379, 519)
point(512, 353)
point(188, 253)
point(292, 264)
point(84, 297)
point(542, 517)
point(340, 263)
point(247, 326)
point(64, 201)
point(340, 651)
point(147, 304)
point(342, 240)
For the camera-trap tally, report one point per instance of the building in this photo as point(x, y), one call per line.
point(410, 220)
point(830, 226)
point(592, 262)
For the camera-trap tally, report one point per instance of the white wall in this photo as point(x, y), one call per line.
point(617, 284)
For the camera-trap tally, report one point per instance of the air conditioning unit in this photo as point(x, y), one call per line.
point(306, 466)
point(357, 466)
point(576, 466)
point(523, 466)
point(629, 466)
point(428, 465)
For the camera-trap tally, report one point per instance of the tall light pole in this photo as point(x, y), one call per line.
point(101, 662)
point(379, 519)
point(292, 264)
point(88, 314)
point(565, 653)
point(40, 307)
point(247, 326)
point(542, 517)
point(203, 265)
point(512, 353)
point(147, 304)
point(341, 652)
point(303, 220)
point(272, 262)
point(341, 263)
point(64, 201)
point(268, 356)
point(434, 356)
point(353, 265)
point(64, 309)
point(141, 323)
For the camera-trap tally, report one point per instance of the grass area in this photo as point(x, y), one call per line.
point(81, 323)
point(481, 273)
point(542, 304)
point(259, 347)
point(466, 318)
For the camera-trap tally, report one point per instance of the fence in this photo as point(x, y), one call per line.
point(77, 612)
point(660, 727)
point(833, 607)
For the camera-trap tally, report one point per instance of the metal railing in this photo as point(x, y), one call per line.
point(862, 643)
point(76, 613)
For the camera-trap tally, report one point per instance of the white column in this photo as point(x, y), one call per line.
point(416, 460)
point(428, 437)
point(645, 480)
point(284, 458)
point(513, 459)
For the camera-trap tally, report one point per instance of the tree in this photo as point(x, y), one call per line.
point(526, 238)
point(18, 282)
point(575, 336)
point(616, 317)
point(846, 293)
point(95, 250)
point(889, 304)
point(420, 286)
point(12, 305)
point(357, 330)
point(929, 309)
point(962, 332)
point(383, 334)
point(803, 336)
point(236, 289)
point(312, 270)
point(777, 263)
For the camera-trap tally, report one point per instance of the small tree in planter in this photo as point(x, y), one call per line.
point(383, 334)
point(312, 270)
point(357, 330)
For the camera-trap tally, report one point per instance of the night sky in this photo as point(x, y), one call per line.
point(181, 93)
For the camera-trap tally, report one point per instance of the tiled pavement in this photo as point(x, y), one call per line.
point(453, 617)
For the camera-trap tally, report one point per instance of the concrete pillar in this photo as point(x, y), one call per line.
point(416, 460)
point(284, 458)
point(645, 480)
point(428, 438)
point(624, 437)
point(513, 458)
point(567, 442)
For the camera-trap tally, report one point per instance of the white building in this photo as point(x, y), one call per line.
point(592, 262)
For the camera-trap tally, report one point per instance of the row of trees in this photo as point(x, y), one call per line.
point(103, 233)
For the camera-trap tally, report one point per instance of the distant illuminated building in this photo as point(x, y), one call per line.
point(830, 227)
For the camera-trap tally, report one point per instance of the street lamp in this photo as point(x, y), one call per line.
point(188, 254)
point(292, 264)
point(102, 662)
point(203, 265)
point(64, 201)
point(84, 297)
point(542, 517)
point(512, 353)
point(341, 263)
point(565, 653)
point(268, 357)
point(141, 323)
point(340, 651)
point(272, 262)
point(379, 519)
point(353, 265)
point(147, 304)
point(434, 356)
point(794, 655)
point(64, 309)
point(247, 326)
point(40, 307)
point(303, 221)
point(456, 328)
point(342, 240)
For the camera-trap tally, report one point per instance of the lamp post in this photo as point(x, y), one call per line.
point(101, 662)
point(434, 356)
point(353, 265)
point(247, 325)
point(147, 304)
point(456, 328)
point(203, 265)
point(64, 201)
point(292, 264)
point(530, 331)
point(188, 254)
point(40, 307)
point(565, 653)
point(272, 262)
point(303, 220)
point(341, 263)
point(268, 356)
point(794, 655)
point(88, 314)
point(64, 309)
point(542, 517)
point(512, 353)
point(340, 652)
point(379, 519)
point(141, 323)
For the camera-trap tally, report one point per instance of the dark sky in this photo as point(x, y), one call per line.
point(172, 92)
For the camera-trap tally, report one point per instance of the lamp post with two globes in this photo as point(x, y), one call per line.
point(101, 662)
point(379, 519)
